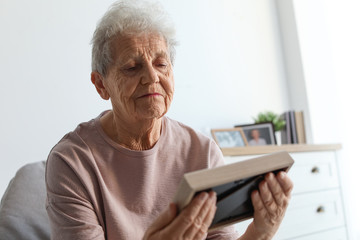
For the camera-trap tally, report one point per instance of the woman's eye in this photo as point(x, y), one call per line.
point(131, 69)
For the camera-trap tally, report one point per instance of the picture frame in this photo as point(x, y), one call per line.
point(229, 137)
point(232, 184)
point(259, 134)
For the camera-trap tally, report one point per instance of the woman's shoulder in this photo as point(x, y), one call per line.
point(75, 143)
point(182, 130)
point(75, 137)
point(183, 137)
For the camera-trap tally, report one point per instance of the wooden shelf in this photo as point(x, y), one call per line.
point(254, 150)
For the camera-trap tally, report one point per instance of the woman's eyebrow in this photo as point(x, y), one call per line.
point(126, 58)
point(162, 53)
point(135, 56)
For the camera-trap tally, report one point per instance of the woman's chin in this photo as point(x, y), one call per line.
point(150, 113)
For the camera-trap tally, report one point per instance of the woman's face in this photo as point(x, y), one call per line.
point(140, 81)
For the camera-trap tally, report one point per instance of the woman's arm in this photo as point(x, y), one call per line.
point(71, 214)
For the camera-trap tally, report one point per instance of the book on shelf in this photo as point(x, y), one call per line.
point(300, 127)
point(233, 184)
point(294, 130)
point(294, 139)
point(286, 132)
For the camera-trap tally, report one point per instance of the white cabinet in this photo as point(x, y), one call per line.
point(311, 213)
point(316, 207)
point(314, 171)
point(334, 234)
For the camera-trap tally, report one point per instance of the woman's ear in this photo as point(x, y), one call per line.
point(98, 82)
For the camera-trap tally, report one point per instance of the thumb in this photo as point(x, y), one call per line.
point(163, 220)
point(166, 217)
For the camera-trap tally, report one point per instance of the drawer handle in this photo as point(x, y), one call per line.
point(320, 209)
point(315, 170)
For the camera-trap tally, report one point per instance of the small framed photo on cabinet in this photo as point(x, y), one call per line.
point(259, 134)
point(229, 137)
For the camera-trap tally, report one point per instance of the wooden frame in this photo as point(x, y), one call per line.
point(265, 134)
point(233, 184)
point(229, 137)
point(291, 148)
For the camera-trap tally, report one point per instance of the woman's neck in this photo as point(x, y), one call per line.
point(135, 135)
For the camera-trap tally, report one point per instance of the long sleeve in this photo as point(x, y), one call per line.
point(71, 214)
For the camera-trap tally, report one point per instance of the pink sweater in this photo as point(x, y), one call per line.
point(97, 189)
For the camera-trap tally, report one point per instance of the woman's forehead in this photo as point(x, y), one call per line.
point(132, 46)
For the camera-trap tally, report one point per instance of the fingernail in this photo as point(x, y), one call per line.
point(264, 186)
point(282, 175)
point(203, 195)
point(213, 196)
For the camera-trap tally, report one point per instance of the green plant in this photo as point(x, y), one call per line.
point(269, 116)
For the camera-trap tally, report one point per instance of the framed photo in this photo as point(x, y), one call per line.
point(259, 134)
point(230, 137)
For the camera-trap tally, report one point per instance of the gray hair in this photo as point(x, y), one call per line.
point(125, 17)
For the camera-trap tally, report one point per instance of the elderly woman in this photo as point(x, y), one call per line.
point(114, 177)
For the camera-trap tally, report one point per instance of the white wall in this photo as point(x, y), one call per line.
point(229, 67)
point(329, 37)
point(229, 64)
point(313, 31)
point(294, 64)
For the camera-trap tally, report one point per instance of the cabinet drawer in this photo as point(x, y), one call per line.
point(313, 212)
point(308, 214)
point(335, 234)
point(314, 171)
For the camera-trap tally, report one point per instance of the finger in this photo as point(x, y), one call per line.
point(267, 198)
point(210, 216)
point(198, 229)
point(162, 221)
point(207, 222)
point(166, 217)
point(189, 214)
point(285, 183)
point(275, 189)
point(257, 203)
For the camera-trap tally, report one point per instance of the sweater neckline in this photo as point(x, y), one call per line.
point(129, 152)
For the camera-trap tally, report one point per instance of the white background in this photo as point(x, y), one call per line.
point(229, 67)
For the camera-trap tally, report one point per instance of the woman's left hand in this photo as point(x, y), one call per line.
point(270, 203)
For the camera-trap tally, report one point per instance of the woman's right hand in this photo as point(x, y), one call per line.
point(192, 222)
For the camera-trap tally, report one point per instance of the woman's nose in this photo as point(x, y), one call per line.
point(149, 75)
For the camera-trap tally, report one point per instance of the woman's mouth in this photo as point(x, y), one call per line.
point(151, 95)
